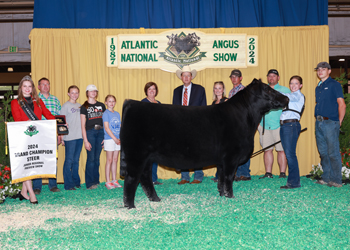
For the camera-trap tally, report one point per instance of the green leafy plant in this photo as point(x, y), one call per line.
point(316, 172)
point(344, 139)
point(6, 187)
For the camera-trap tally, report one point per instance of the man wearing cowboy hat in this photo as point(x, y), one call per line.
point(189, 94)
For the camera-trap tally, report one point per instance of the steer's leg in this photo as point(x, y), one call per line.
point(229, 172)
point(131, 182)
point(220, 179)
point(147, 184)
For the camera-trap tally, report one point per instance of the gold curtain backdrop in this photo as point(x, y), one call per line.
point(78, 56)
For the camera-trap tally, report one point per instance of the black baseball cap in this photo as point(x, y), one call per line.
point(274, 71)
point(236, 72)
point(323, 65)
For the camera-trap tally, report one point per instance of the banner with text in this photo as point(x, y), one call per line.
point(32, 149)
point(174, 49)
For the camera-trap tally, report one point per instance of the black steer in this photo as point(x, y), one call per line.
point(192, 137)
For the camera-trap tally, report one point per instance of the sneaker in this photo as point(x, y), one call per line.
point(55, 189)
point(77, 187)
point(334, 184)
point(109, 185)
point(71, 189)
point(37, 191)
point(322, 182)
point(116, 184)
point(157, 183)
point(92, 187)
point(283, 175)
point(214, 179)
point(267, 175)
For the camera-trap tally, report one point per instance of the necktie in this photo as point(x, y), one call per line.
point(184, 103)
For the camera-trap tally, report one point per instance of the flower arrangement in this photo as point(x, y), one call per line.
point(317, 171)
point(6, 188)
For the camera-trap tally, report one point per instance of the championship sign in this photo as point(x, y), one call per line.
point(174, 49)
point(32, 147)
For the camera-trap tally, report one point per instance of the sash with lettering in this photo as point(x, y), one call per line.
point(32, 147)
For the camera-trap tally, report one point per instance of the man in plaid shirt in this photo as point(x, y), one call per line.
point(53, 104)
point(243, 171)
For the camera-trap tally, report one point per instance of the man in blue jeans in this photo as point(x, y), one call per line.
point(329, 112)
point(53, 104)
point(189, 94)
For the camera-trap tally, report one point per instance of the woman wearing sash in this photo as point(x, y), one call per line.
point(28, 106)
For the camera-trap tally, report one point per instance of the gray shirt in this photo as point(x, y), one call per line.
point(72, 113)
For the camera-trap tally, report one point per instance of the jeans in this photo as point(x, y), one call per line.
point(289, 134)
point(92, 174)
point(198, 175)
point(71, 163)
point(154, 171)
point(327, 139)
point(244, 170)
point(38, 183)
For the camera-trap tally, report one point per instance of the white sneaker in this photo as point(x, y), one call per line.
point(109, 185)
point(116, 184)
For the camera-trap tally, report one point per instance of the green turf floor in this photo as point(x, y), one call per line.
point(262, 216)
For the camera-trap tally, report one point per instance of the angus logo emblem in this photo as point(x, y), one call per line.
point(183, 49)
point(31, 130)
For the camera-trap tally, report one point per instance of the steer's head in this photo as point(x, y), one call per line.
point(266, 97)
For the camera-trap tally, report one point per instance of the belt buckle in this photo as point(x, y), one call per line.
point(319, 118)
point(97, 127)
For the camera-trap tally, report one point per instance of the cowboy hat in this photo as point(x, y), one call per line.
point(186, 69)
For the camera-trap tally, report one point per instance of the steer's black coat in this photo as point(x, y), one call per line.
point(192, 137)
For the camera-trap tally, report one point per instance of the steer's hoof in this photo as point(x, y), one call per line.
point(129, 206)
point(155, 199)
point(229, 196)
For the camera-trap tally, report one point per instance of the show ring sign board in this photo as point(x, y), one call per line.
point(173, 49)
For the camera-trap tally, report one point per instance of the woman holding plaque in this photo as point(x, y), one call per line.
point(28, 106)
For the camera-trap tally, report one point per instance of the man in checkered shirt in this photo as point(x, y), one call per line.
point(243, 171)
point(53, 104)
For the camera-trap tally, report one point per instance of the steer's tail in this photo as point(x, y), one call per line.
point(122, 171)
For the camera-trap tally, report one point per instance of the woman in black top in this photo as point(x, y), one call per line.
point(92, 129)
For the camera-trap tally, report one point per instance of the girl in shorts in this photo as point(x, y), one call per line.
point(111, 126)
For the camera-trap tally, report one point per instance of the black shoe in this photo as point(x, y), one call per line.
point(71, 189)
point(21, 197)
point(242, 178)
point(282, 175)
point(77, 187)
point(34, 202)
point(287, 187)
point(37, 191)
point(267, 175)
point(157, 183)
point(55, 189)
